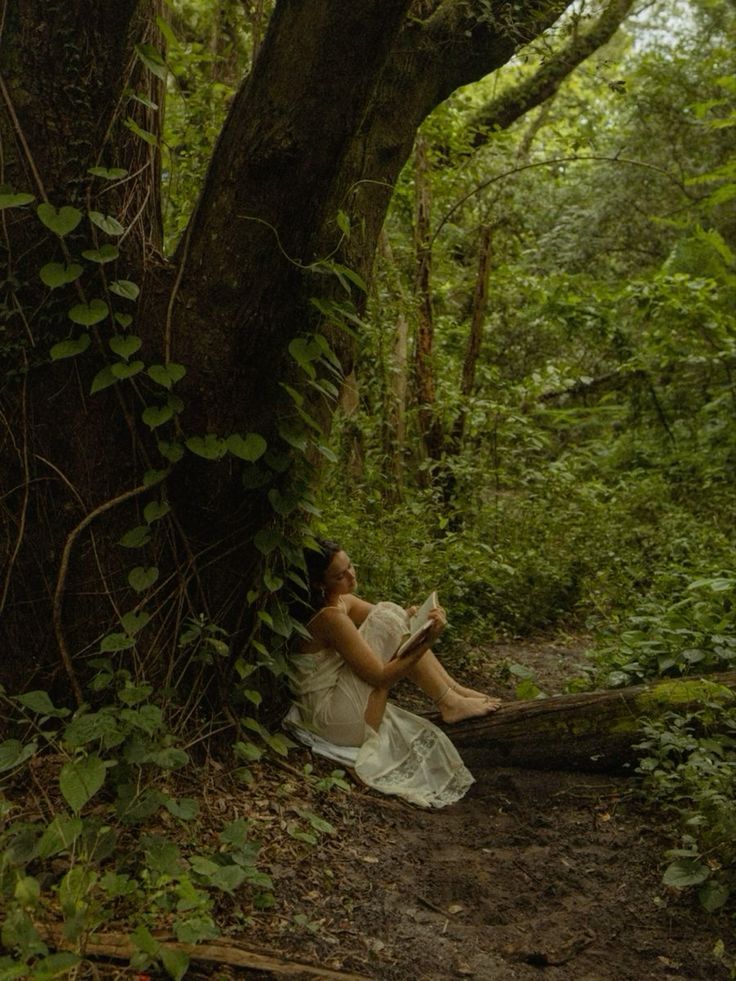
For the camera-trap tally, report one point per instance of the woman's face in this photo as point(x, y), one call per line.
point(339, 578)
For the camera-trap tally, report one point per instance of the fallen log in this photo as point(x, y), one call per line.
point(116, 946)
point(593, 731)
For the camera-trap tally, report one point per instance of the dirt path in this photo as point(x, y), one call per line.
point(533, 873)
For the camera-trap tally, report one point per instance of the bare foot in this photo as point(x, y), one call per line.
point(456, 707)
point(472, 693)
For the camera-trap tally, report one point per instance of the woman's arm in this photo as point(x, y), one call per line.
point(337, 630)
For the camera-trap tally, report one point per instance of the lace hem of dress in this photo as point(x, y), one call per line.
point(404, 775)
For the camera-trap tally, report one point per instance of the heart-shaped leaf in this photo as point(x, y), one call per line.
point(155, 510)
point(121, 369)
point(55, 274)
point(70, 348)
point(167, 374)
point(105, 253)
point(15, 200)
point(103, 379)
point(116, 642)
point(88, 314)
point(107, 223)
point(249, 447)
point(151, 477)
point(124, 319)
point(124, 345)
point(141, 578)
point(124, 288)
point(267, 539)
point(80, 780)
point(157, 415)
point(210, 447)
point(61, 220)
point(172, 451)
point(109, 173)
point(133, 622)
point(136, 537)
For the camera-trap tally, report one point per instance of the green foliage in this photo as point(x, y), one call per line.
point(687, 768)
point(91, 861)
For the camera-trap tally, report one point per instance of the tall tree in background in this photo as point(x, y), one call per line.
point(99, 442)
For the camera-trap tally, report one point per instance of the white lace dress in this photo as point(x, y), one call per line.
point(407, 755)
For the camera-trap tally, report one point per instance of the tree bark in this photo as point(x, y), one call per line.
point(517, 101)
point(323, 124)
point(593, 731)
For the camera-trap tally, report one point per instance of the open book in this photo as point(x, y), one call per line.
point(419, 626)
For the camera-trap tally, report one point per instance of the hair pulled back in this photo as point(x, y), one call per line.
point(317, 562)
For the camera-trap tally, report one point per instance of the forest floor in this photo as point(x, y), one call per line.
point(533, 874)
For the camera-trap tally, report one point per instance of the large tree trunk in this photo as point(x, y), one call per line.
point(322, 125)
point(590, 731)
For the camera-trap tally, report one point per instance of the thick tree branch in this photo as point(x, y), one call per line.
point(515, 102)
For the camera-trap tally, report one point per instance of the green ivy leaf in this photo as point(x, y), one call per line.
point(249, 447)
point(59, 835)
point(132, 623)
point(70, 348)
point(124, 344)
point(13, 753)
point(122, 370)
point(151, 477)
point(109, 173)
point(155, 416)
point(155, 510)
point(39, 701)
point(713, 895)
point(152, 59)
point(133, 126)
point(80, 780)
point(166, 374)
point(267, 539)
point(272, 582)
point(685, 872)
point(184, 808)
point(108, 224)
point(59, 220)
point(103, 379)
point(136, 537)
point(125, 288)
point(173, 452)
point(55, 274)
point(105, 253)
point(175, 961)
point(142, 577)
point(116, 642)
point(210, 447)
point(90, 313)
point(124, 319)
point(15, 200)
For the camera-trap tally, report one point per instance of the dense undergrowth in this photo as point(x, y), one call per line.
point(591, 492)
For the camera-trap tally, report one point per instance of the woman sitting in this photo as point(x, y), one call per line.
point(343, 674)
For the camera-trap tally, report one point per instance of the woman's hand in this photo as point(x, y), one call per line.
point(411, 611)
point(439, 622)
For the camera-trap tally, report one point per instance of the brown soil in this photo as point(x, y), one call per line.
point(534, 873)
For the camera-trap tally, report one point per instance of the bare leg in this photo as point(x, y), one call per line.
point(454, 705)
point(462, 689)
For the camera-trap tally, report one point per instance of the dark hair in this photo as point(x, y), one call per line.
point(317, 561)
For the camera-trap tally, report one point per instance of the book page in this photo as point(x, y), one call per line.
point(419, 625)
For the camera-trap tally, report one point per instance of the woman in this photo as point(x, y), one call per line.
point(342, 675)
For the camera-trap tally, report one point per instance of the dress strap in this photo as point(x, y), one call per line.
point(340, 605)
